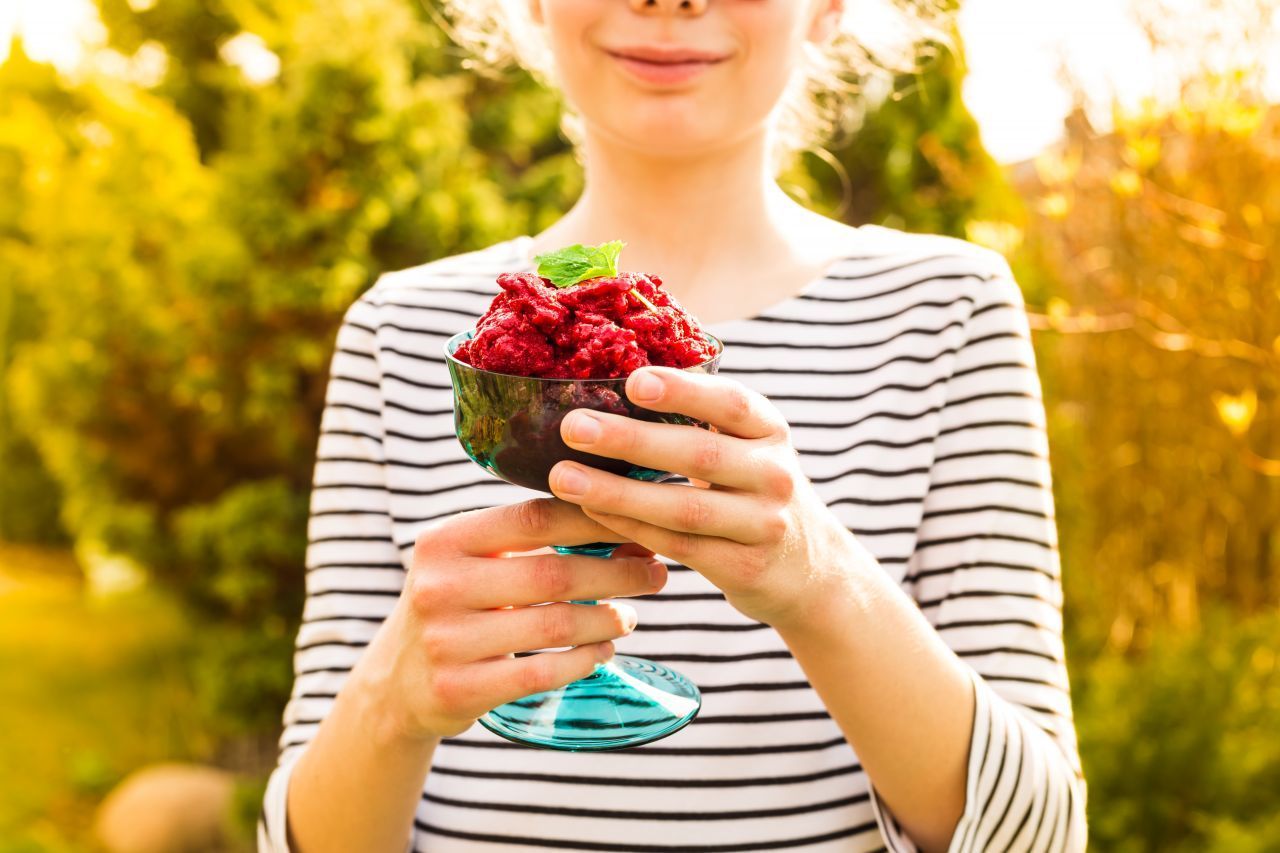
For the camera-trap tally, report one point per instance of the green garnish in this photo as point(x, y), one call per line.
point(578, 263)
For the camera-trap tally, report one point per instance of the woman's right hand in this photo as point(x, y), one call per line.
point(445, 654)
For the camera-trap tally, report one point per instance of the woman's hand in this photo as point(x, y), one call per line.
point(759, 533)
point(444, 656)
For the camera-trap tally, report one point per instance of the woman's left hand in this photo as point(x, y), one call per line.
point(759, 532)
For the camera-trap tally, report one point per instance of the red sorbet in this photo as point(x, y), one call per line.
point(594, 330)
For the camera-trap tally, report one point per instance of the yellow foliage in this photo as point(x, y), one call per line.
point(1055, 205)
point(1057, 166)
point(1126, 183)
point(1237, 411)
point(1252, 215)
point(1004, 237)
point(1142, 152)
point(1059, 309)
point(1158, 268)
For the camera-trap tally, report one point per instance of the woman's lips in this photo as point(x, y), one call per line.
point(665, 67)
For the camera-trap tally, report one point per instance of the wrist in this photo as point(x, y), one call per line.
point(378, 698)
point(842, 590)
point(381, 710)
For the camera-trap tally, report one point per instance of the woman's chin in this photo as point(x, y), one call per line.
point(670, 129)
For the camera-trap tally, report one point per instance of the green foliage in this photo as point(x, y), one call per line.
point(197, 81)
point(246, 805)
point(241, 676)
point(1180, 746)
point(29, 496)
point(173, 334)
point(916, 161)
point(233, 547)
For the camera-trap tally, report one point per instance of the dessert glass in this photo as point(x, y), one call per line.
point(510, 426)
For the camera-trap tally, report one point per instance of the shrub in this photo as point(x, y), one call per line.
point(1179, 743)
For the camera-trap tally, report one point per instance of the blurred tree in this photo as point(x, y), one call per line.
point(187, 309)
point(1181, 751)
point(187, 38)
point(1165, 232)
point(914, 158)
point(1157, 244)
point(918, 162)
point(29, 496)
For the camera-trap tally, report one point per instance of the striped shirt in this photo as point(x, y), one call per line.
point(907, 375)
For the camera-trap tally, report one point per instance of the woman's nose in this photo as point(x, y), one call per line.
point(669, 7)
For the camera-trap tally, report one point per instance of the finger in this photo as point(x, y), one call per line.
point(492, 683)
point(695, 453)
point(718, 400)
point(487, 634)
point(705, 512)
point(631, 549)
point(688, 549)
point(483, 583)
point(517, 527)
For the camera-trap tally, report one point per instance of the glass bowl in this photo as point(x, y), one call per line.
point(510, 425)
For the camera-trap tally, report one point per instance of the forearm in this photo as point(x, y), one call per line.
point(900, 696)
point(359, 781)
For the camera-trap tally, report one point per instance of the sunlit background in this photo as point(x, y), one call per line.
point(191, 192)
point(1020, 53)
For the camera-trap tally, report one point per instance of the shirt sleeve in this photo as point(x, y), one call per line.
point(985, 572)
point(354, 572)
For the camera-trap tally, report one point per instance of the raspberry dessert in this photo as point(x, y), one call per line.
point(566, 338)
point(602, 327)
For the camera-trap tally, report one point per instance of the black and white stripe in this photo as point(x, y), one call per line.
point(907, 374)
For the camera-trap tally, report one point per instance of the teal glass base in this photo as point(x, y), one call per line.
point(626, 702)
point(591, 549)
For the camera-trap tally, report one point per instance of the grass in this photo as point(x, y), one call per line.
point(93, 688)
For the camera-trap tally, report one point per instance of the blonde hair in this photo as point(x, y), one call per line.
point(874, 41)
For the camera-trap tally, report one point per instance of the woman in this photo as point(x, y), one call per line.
point(868, 592)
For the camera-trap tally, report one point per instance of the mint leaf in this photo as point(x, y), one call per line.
point(577, 263)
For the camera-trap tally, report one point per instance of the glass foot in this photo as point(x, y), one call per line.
point(626, 702)
point(591, 549)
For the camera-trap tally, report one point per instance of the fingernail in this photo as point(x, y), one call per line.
point(657, 572)
point(646, 388)
point(571, 481)
point(629, 617)
point(604, 652)
point(583, 428)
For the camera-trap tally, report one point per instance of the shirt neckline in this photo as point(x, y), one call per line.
point(520, 247)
